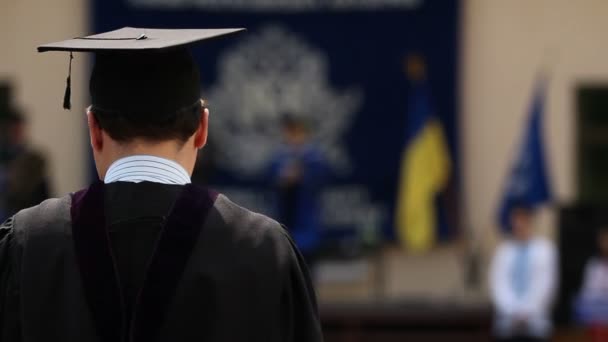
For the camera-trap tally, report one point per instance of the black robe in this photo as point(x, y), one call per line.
point(151, 262)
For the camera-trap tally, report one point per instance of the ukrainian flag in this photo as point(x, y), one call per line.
point(425, 172)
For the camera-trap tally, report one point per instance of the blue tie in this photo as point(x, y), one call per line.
point(520, 270)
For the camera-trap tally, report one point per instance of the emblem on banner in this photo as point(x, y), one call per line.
point(269, 74)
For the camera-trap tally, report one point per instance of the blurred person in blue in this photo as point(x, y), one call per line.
point(297, 172)
point(523, 280)
point(23, 172)
point(591, 306)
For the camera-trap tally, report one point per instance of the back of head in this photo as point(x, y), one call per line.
point(602, 241)
point(153, 95)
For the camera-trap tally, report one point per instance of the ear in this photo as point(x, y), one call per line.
point(200, 138)
point(95, 132)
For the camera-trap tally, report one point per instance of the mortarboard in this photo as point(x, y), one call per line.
point(141, 73)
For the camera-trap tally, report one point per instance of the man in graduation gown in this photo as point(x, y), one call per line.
point(143, 254)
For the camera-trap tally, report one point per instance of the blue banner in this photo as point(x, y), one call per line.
point(336, 68)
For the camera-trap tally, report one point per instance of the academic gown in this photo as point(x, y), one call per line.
point(151, 262)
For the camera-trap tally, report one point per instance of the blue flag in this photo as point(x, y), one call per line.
point(528, 182)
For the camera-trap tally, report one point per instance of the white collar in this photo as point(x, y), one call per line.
point(146, 168)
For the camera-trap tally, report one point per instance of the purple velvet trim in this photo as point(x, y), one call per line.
point(98, 267)
point(173, 249)
point(96, 262)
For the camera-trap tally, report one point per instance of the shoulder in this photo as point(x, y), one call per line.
point(35, 154)
point(504, 248)
point(252, 230)
point(544, 246)
point(50, 209)
point(594, 264)
point(32, 159)
point(37, 219)
point(245, 221)
point(313, 154)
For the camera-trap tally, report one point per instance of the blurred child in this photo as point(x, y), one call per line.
point(591, 307)
point(523, 277)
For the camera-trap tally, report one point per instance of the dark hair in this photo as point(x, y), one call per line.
point(123, 128)
point(522, 208)
point(291, 121)
point(602, 230)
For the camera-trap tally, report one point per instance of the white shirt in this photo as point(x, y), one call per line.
point(591, 305)
point(595, 283)
point(144, 168)
point(535, 303)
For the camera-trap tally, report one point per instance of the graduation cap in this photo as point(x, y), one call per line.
point(141, 73)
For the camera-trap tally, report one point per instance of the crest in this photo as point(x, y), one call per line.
point(269, 74)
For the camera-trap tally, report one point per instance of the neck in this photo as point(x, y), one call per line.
point(523, 240)
point(167, 149)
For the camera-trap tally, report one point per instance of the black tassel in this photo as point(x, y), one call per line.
point(68, 87)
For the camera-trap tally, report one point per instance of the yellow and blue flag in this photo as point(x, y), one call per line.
point(528, 182)
point(425, 173)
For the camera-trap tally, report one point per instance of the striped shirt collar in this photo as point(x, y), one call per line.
point(145, 168)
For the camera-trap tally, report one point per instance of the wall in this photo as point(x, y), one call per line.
point(505, 44)
point(40, 81)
